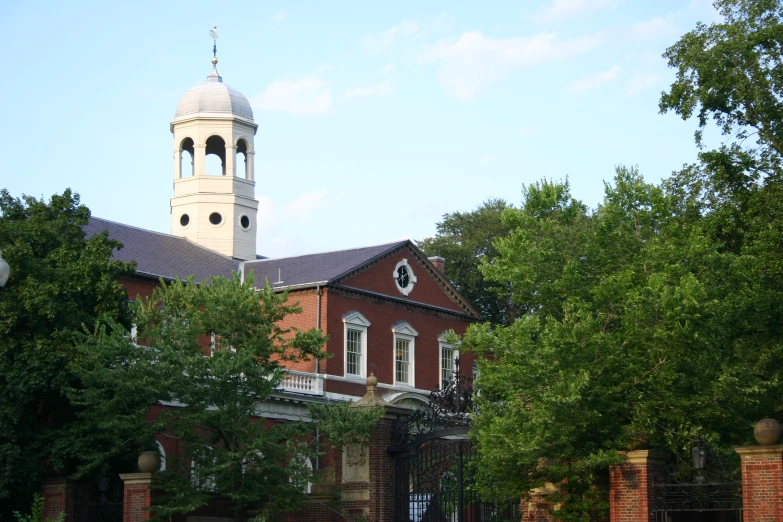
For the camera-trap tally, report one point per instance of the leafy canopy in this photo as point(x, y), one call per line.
point(628, 328)
point(211, 401)
point(60, 282)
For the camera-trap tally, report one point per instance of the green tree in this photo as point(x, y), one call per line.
point(60, 282)
point(628, 328)
point(464, 239)
point(731, 72)
point(212, 405)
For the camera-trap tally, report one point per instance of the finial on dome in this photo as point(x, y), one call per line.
point(214, 35)
point(214, 76)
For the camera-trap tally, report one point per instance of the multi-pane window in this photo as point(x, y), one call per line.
point(402, 361)
point(356, 331)
point(404, 353)
point(353, 348)
point(447, 357)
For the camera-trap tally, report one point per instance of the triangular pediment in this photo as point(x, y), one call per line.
point(403, 328)
point(354, 317)
point(424, 284)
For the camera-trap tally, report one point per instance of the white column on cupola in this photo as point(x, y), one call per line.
point(218, 212)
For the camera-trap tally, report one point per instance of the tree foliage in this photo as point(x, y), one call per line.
point(464, 239)
point(629, 327)
point(212, 406)
point(60, 282)
point(660, 310)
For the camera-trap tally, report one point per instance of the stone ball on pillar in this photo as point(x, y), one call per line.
point(149, 461)
point(767, 432)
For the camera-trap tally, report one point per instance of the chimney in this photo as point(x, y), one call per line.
point(439, 262)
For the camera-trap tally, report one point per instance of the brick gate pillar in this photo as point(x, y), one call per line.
point(631, 486)
point(138, 497)
point(367, 474)
point(762, 483)
point(59, 497)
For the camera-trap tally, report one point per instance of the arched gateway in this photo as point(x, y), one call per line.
point(435, 462)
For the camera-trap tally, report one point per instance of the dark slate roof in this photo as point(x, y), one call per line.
point(162, 255)
point(311, 269)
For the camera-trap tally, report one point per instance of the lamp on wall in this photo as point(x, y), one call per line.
point(5, 270)
point(699, 457)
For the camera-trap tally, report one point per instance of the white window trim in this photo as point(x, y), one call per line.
point(307, 463)
point(411, 277)
point(213, 342)
point(162, 456)
point(405, 332)
point(448, 346)
point(355, 321)
point(206, 483)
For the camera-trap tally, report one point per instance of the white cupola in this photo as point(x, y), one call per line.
point(214, 201)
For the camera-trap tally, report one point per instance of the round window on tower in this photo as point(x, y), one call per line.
point(244, 222)
point(215, 218)
point(184, 220)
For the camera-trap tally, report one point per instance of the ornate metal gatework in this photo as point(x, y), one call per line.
point(435, 462)
point(710, 495)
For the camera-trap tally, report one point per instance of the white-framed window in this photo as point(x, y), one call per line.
point(218, 344)
point(449, 353)
point(302, 471)
point(404, 353)
point(162, 456)
point(199, 479)
point(404, 277)
point(355, 344)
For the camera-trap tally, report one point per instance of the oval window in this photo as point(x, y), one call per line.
point(245, 222)
point(215, 218)
point(184, 220)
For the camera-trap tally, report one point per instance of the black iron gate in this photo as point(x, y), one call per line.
point(714, 494)
point(100, 500)
point(435, 463)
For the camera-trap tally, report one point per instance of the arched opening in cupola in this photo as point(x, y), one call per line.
point(241, 160)
point(215, 156)
point(186, 154)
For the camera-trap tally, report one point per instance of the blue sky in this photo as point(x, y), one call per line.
point(375, 118)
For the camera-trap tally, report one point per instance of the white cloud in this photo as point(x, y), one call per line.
point(474, 61)
point(310, 95)
point(279, 16)
point(561, 9)
point(594, 82)
point(390, 68)
point(384, 88)
point(641, 82)
point(306, 203)
point(381, 41)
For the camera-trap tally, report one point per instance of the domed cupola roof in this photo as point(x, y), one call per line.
point(213, 98)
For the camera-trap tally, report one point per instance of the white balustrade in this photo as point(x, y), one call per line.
point(302, 382)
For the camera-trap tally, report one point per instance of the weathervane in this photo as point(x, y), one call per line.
point(214, 35)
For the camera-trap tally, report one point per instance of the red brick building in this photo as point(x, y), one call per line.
point(387, 309)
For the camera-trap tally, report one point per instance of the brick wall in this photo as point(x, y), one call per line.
point(138, 497)
point(535, 509)
point(138, 286)
point(762, 483)
point(380, 341)
point(59, 496)
point(307, 319)
point(630, 483)
point(378, 278)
